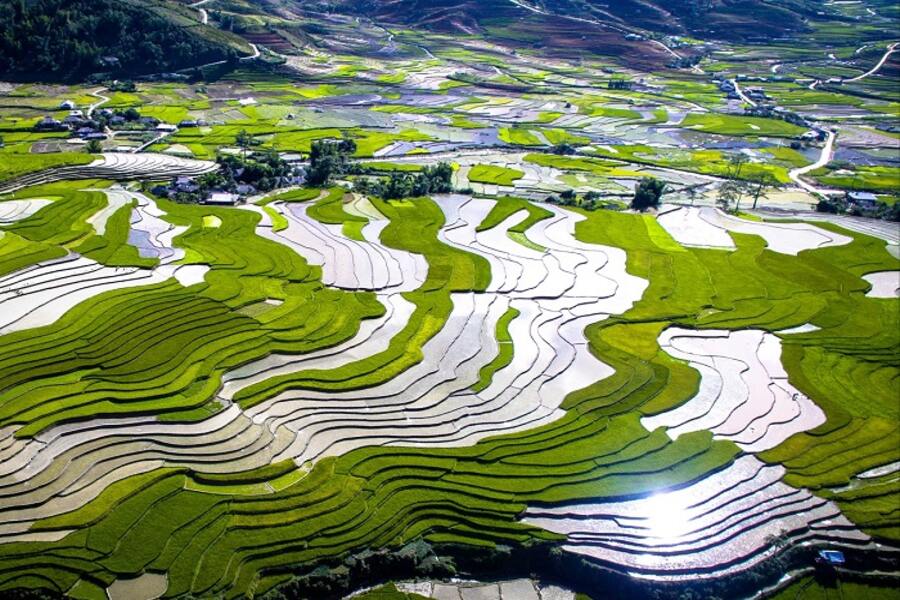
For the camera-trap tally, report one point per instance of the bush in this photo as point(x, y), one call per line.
point(835, 206)
point(648, 193)
point(432, 180)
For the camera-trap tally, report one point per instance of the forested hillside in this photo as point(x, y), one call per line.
point(68, 39)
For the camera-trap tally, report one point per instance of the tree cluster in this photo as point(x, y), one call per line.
point(647, 194)
point(65, 40)
point(431, 180)
point(840, 206)
point(735, 188)
point(416, 558)
point(329, 160)
point(563, 149)
point(121, 86)
point(590, 201)
point(263, 170)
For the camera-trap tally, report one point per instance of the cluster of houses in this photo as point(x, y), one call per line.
point(188, 186)
point(76, 122)
point(187, 123)
point(766, 108)
point(97, 125)
point(757, 94)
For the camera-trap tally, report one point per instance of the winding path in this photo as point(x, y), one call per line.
point(204, 16)
point(102, 100)
point(796, 175)
point(890, 50)
point(740, 92)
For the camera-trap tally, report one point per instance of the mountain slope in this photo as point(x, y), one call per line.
point(725, 19)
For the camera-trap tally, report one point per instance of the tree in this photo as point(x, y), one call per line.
point(692, 192)
point(563, 149)
point(328, 160)
point(835, 206)
point(732, 191)
point(730, 194)
point(244, 140)
point(760, 187)
point(736, 164)
point(432, 180)
point(93, 147)
point(68, 39)
point(648, 193)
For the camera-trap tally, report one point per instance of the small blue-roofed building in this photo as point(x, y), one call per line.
point(863, 199)
point(832, 557)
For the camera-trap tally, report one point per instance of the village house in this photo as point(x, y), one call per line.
point(864, 200)
point(48, 123)
point(222, 199)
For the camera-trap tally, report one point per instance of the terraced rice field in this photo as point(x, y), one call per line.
point(318, 391)
point(196, 400)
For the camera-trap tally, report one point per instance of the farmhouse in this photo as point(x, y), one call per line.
point(863, 199)
point(48, 123)
point(222, 199)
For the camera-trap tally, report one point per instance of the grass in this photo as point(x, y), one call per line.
point(495, 175)
point(740, 125)
point(561, 136)
point(16, 165)
point(869, 178)
point(225, 543)
point(63, 224)
point(507, 206)
point(598, 167)
point(204, 335)
point(369, 142)
point(504, 356)
point(161, 350)
point(848, 368)
point(390, 167)
point(329, 209)
point(166, 114)
point(708, 162)
point(279, 221)
point(518, 137)
point(414, 225)
point(809, 588)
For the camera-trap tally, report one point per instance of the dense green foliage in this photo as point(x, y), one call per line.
point(648, 193)
point(328, 160)
point(67, 39)
point(399, 184)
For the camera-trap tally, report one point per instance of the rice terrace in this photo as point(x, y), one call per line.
point(450, 299)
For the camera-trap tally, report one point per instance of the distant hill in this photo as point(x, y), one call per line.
point(66, 40)
point(600, 26)
point(723, 19)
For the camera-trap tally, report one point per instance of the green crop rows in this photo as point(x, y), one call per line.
point(230, 534)
point(164, 353)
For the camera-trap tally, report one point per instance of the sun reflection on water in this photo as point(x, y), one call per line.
point(666, 516)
